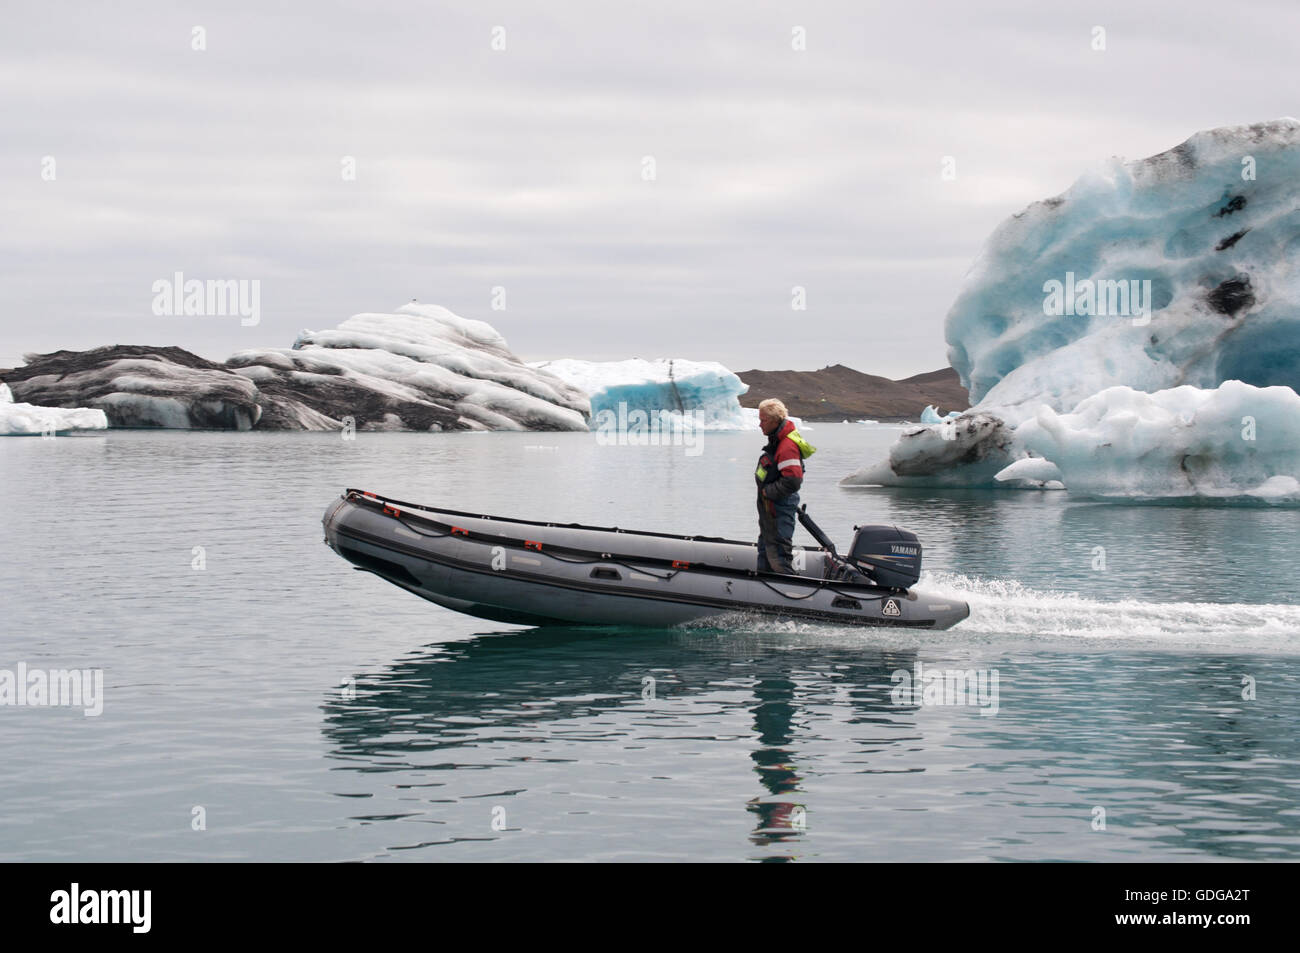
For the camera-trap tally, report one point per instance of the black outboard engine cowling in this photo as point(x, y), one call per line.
point(889, 555)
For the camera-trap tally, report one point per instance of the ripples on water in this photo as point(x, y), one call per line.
point(318, 713)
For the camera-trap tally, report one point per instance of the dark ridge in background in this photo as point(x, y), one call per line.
point(841, 393)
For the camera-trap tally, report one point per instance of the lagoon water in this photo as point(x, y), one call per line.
point(263, 701)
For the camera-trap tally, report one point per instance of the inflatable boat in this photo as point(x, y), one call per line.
point(535, 573)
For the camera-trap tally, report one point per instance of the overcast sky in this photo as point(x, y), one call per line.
point(523, 167)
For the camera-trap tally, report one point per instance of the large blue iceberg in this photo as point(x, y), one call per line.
point(1138, 335)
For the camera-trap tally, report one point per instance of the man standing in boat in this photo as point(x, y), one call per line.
point(779, 476)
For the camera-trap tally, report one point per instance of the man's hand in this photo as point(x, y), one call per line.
point(782, 488)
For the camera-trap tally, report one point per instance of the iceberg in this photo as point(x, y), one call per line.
point(703, 393)
point(1231, 440)
point(24, 419)
point(931, 415)
point(419, 368)
point(966, 451)
point(1122, 333)
point(138, 386)
point(1182, 268)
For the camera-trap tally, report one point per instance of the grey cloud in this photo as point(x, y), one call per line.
point(522, 168)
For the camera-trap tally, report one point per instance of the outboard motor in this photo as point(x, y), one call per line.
point(886, 555)
point(889, 555)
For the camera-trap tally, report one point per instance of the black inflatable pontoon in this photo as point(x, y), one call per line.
point(535, 573)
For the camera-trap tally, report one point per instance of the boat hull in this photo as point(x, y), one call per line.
point(533, 573)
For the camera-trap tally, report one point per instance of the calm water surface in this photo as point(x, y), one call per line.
point(305, 711)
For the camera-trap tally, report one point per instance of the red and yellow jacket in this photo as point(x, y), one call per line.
point(780, 468)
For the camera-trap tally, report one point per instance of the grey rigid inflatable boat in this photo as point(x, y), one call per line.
point(535, 573)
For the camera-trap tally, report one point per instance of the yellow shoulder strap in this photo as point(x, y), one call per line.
point(806, 449)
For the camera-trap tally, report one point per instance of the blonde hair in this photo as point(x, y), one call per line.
point(774, 408)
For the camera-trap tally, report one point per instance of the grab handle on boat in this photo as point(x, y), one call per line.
point(815, 530)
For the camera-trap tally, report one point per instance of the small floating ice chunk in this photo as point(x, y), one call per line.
point(24, 419)
point(931, 415)
point(1031, 471)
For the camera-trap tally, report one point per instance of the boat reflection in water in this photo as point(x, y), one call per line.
point(556, 708)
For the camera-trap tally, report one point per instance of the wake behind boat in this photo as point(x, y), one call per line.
point(535, 573)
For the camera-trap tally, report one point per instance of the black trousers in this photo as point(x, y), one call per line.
point(776, 533)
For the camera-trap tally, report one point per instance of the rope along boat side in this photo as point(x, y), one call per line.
point(535, 573)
